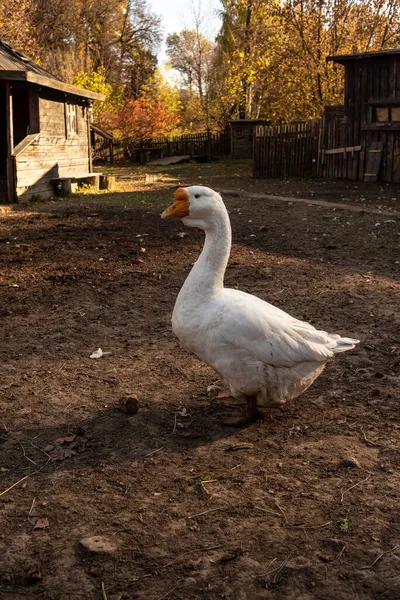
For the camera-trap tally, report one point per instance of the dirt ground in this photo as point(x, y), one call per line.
point(300, 506)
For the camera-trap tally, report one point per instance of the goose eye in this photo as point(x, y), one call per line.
point(197, 195)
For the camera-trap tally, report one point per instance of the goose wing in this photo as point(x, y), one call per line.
point(271, 335)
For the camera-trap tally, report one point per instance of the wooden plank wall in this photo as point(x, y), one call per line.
point(53, 155)
point(287, 150)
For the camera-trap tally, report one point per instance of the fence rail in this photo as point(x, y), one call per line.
point(287, 150)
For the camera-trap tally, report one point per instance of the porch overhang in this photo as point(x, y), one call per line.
point(54, 84)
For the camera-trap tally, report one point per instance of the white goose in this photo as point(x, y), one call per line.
point(263, 355)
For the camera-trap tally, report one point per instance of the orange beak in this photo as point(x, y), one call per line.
point(180, 208)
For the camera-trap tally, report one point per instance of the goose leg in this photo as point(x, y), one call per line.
point(250, 415)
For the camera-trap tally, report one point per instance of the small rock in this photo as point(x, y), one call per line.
point(98, 544)
point(325, 557)
point(211, 390)
point(33, 574)
point(129, 405)
point(350, 461)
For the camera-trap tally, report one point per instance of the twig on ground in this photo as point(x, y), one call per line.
point(103, 590)
point(277, 569)
point(41, 449)
point(154, 451)
point(380, 556)
point(30, 511)
point(353, 486)
point(5, 427)
point(120, 530)
point(113, 380)
point(283, 565)
point(268, 572)
point(205, 548)
point(282, 511)
point(271, 512)
point(174, 429)
point(235, 467)
point(341, 552)
point(24, 453)
point(366, 440)
point(23, 479)
point(313, 526)
point(206, 512)
point(168, 593)
point(14, 484)
point(237, 447)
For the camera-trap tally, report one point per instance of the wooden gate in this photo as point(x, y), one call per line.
point(287, 150)
point(341, 156)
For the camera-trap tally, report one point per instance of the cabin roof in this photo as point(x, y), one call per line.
point(343, 58)
point(14, 65)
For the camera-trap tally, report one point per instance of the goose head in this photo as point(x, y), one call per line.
point(195, 206)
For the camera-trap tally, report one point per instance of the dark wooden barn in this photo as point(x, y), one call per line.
point(44, 129)
point(361, 139)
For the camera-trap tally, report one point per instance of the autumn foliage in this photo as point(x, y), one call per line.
point(268, 60)
point(141, 119)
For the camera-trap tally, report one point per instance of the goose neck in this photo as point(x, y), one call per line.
point(208, 272)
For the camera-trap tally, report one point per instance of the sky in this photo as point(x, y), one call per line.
point(178, 14)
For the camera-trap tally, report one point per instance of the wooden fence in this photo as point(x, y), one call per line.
point(204, 145)
point(287, 150)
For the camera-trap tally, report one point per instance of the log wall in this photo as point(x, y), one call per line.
point(55, 153)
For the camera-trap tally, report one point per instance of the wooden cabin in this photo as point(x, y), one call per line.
point(361, 139)
point(44, 129)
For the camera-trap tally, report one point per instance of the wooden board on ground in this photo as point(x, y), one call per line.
point(374, 157)
point(169, 160)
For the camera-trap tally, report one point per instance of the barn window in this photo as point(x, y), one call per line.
point(387, 114)
point(71, 119)
point(382, 114)
point(395, 113)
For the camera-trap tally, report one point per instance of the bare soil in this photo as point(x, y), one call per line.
point(303, 505)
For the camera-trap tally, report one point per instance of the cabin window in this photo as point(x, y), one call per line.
point(71, 119)
point(387, 114)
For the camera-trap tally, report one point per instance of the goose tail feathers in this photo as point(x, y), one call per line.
point(343, 344)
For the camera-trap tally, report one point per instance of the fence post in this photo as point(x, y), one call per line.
point(111, 151)
point(208, 146)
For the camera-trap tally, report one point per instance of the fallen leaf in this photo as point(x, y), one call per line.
point(41, 523)
point(66, 447)
point(33, 574)
point(97, 353)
